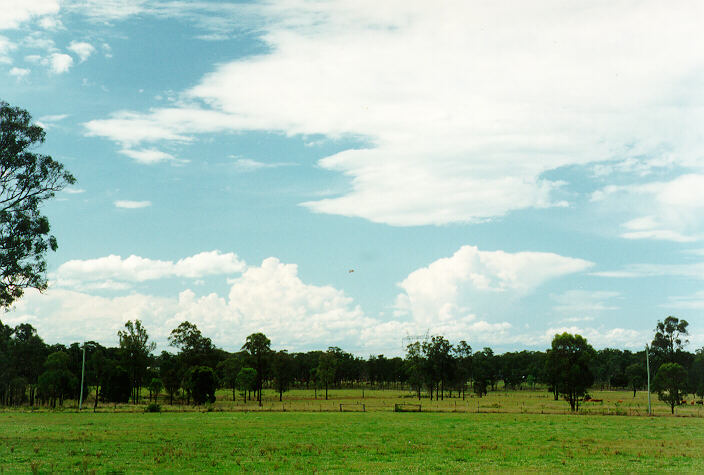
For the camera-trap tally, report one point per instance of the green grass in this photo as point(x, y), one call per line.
point(374, 441)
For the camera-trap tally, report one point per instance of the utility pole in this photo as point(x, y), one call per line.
point(83, 373)
point(647, 366)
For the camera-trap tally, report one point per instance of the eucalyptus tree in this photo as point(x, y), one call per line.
point(258, 346)
point(282, 371)
point(27, 179)
point(670, 382)
point(136, 350)
point(327, 366)
point(568, 362)
point(669, 340)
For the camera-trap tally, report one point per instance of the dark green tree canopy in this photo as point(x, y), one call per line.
point(568, 363)
point(26, 180)
point(670, 337)
point(670, 384)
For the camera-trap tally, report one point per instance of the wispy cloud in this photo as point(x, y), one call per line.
point(19, 73)
point(249, 165)
point(148, 156)
point(451, 136)
point(132, 204)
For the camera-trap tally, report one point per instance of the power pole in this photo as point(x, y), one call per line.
point(83, 372)
point(647, 366)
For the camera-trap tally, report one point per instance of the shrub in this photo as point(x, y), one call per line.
point(152, 407)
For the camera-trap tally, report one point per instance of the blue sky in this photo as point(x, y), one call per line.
point(493, 173)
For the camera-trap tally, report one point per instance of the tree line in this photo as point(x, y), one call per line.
point(35, 373)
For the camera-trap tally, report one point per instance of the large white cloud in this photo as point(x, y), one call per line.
point(115, 269)
point(463, 105)
point(442, 296)
point(15, 13)
point(272, 298)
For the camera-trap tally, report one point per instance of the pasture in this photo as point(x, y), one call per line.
point(537, 401)
point(346, 441)
point(512, 430)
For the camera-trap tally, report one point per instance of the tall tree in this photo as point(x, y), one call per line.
point(636, 375)
point(137, 349)
point(670, 338)
point(483, 370)
point(696, 374)
point(27, 179)
point(568, 361)
point(282, 370)
point(259, 347)
point(171, 373)
point(327, 365)
point(415, 366)
point(438, 352)
point(670, 383)
point(28, 355)
point(227, 372)
point(195, 349)
point(246, 381)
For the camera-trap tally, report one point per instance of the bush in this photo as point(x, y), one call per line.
point(152, 407)
point(203, 383)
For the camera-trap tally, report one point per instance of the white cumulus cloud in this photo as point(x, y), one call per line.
point(82, 49)
point(14, 12)
point(115, 269)
point(442, 294)
point(59, 63)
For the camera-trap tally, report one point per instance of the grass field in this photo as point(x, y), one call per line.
point(308, 442)
point(521, 402)
point(507, 430)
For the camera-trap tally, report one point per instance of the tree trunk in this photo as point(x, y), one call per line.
point(97, 393)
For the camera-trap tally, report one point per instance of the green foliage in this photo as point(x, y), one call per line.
point(670, 383)
point(202, 383)
point(227, 373)
point(195, 348)
point(155, 387)
point(246, 379)
point(116, 384)
point(259, 348)
point(152, 407)
point(484, 369)
point(282, 370)
point(669, 339)
point(568, 364)
point(637, 376)
point(27, 179)
point(136, 349)
point(327, 365)
point(696, 374)
point(57, 382)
